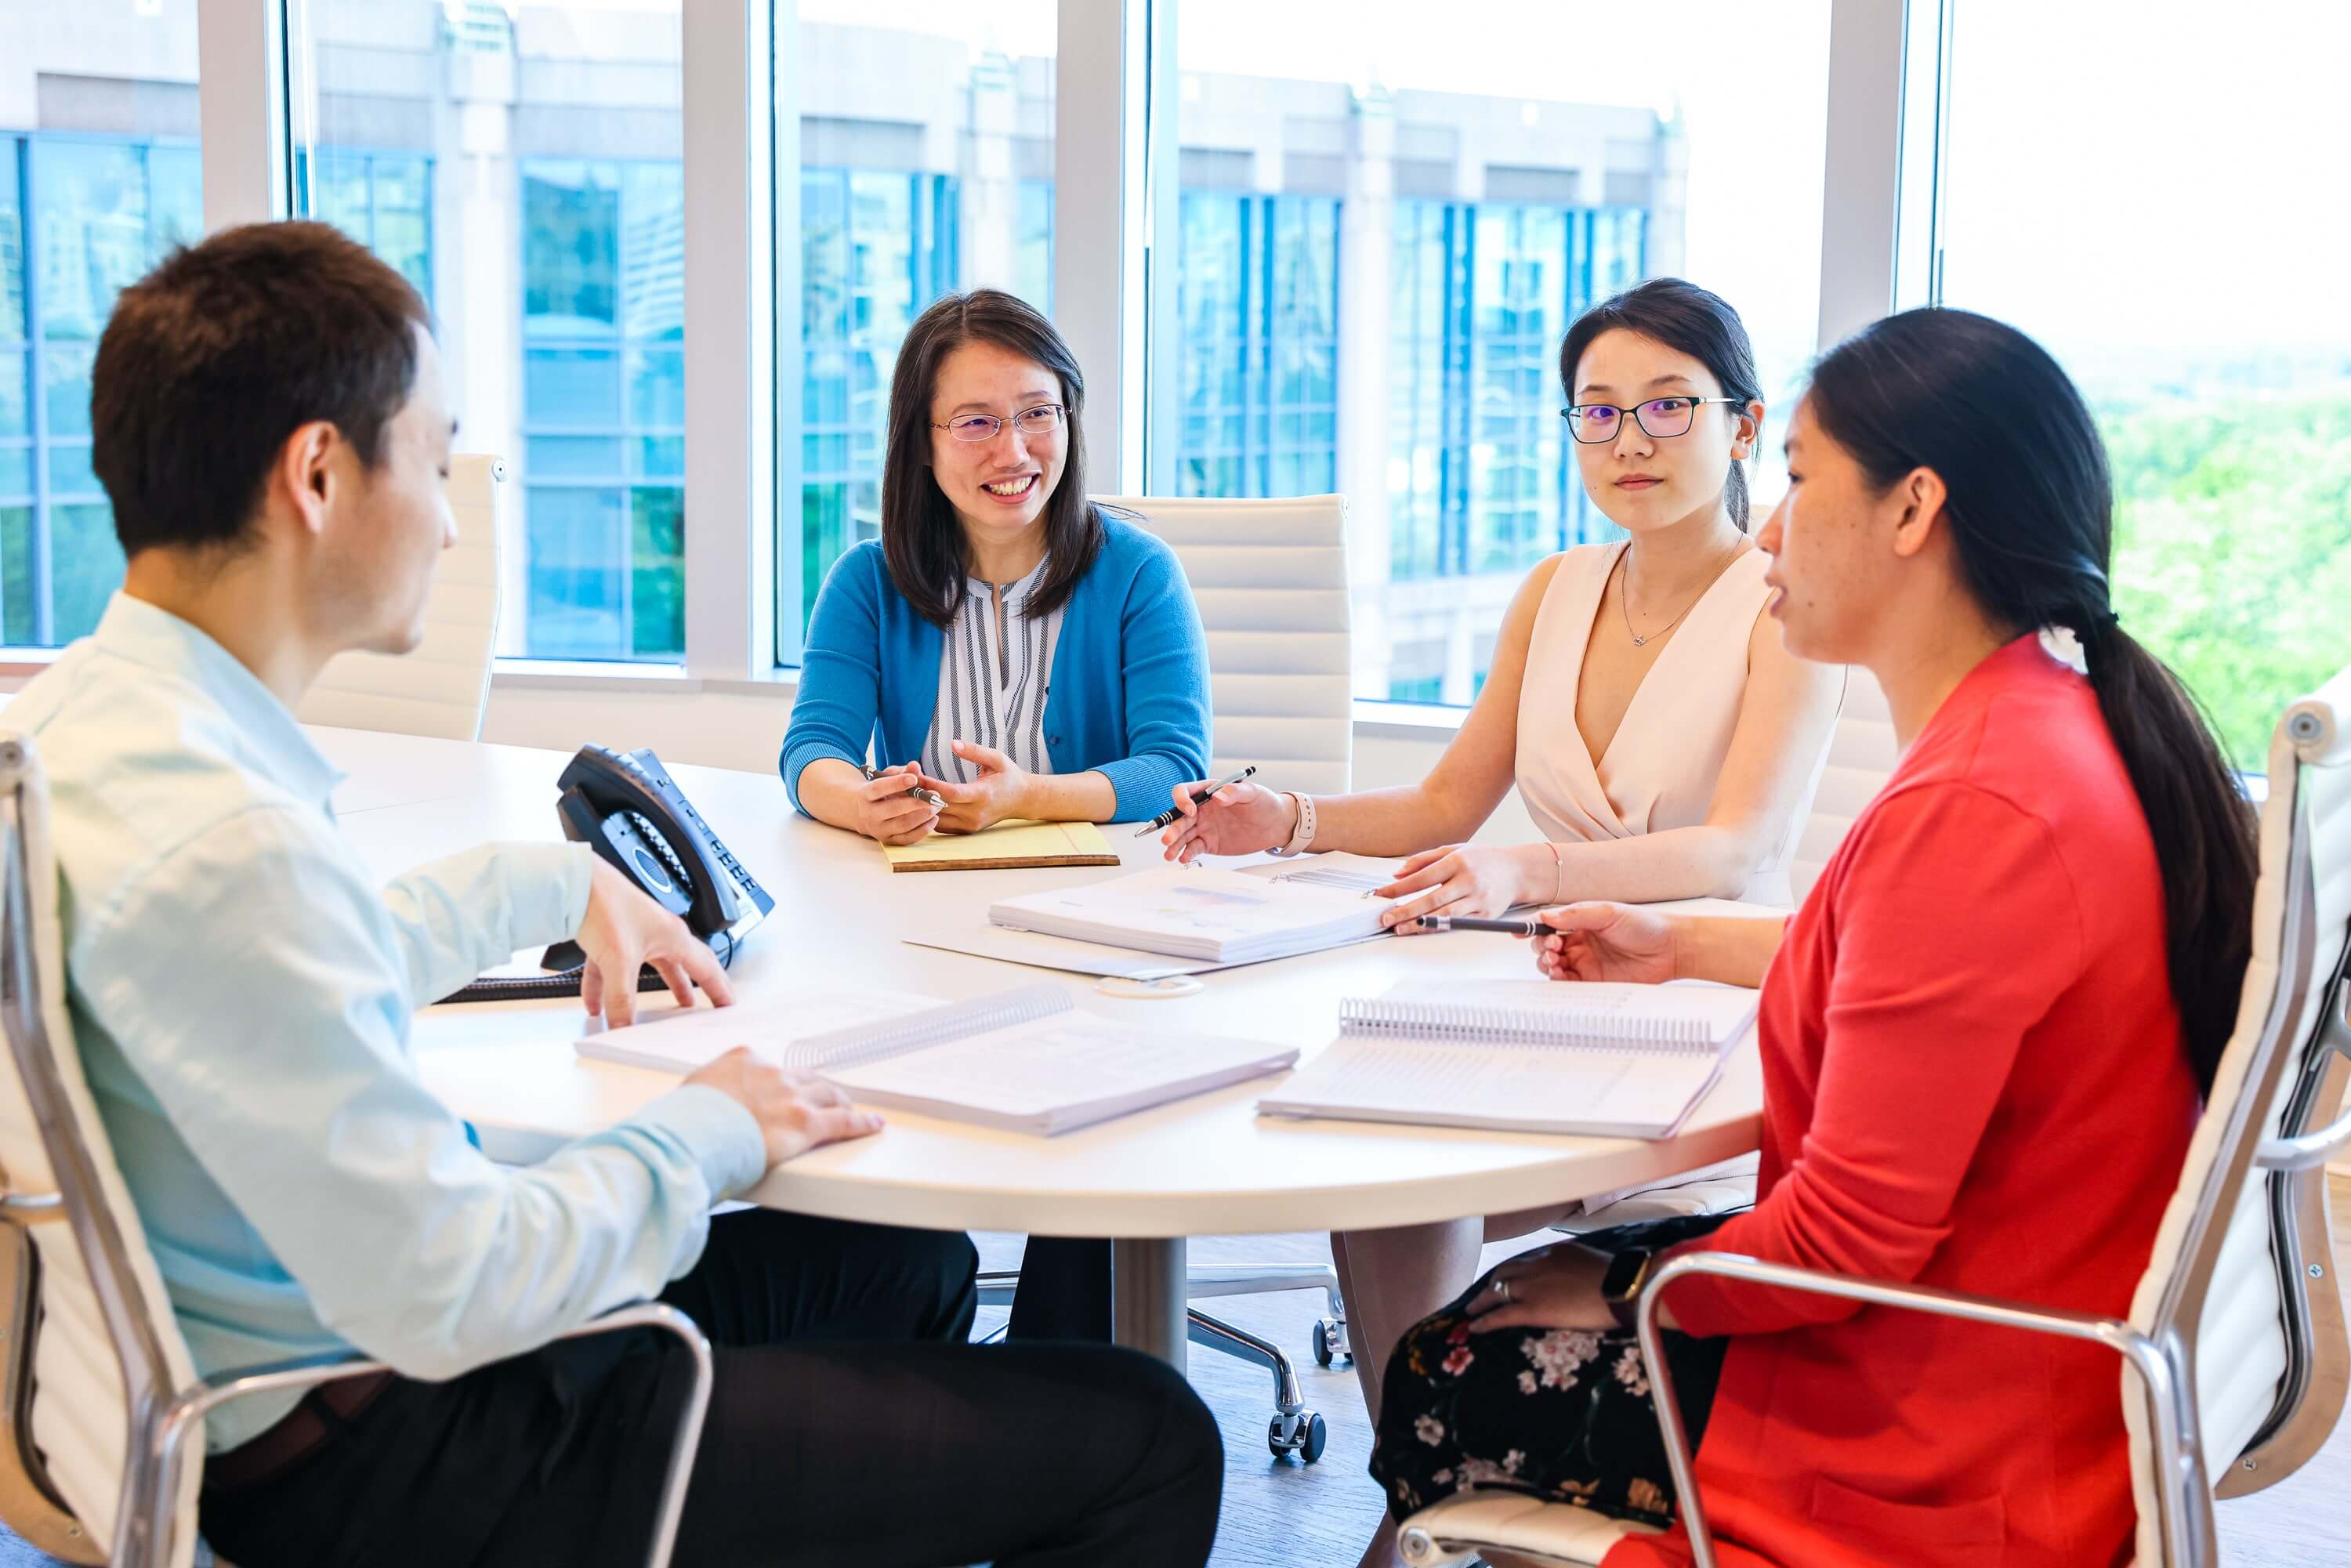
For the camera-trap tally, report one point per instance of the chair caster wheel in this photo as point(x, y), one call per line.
point(1330, 1346)
point(1302, 1434)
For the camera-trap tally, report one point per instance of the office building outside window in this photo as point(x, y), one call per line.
point(521, 166)
point(100, 178)
point(924, 142)
point(1259, 300)
point(875, 246)
point(603, 407)
point(1468, 204)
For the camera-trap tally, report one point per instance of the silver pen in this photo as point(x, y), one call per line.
point(932, 796)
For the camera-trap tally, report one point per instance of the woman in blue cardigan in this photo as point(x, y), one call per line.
point(1004, 646)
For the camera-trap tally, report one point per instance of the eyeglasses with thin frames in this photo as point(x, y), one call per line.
point(1033, 423)
point(1660, 418)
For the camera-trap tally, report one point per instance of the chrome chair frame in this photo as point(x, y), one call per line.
point(1294, 1429)
point(160, 1415)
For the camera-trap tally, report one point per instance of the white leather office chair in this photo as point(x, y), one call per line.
point(101, 1412)
point(1270, 579)
point(1861, 758)
point(440, 688)
point(1862, 755)
point(2220, 1366)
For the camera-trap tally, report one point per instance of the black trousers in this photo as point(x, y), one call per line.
point(1064, 1291)
point(850, 1423)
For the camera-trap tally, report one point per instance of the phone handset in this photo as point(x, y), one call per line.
point(626, 808)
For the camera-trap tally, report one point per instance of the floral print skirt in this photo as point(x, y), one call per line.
point(1562, 1415)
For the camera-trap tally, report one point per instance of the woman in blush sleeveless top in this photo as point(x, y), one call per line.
point(1663, 740)
point(1659, 770)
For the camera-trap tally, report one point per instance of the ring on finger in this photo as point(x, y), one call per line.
point(1501, 1290)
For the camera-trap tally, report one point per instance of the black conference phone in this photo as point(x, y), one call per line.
point(626, 808)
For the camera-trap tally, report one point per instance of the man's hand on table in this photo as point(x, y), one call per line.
point(622, 931)
point(797, 1112)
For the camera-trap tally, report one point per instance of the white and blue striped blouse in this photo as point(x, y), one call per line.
point(994, 669)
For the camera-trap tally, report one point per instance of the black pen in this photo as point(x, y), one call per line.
point(1528, 927)
point(1172, 812)
point(932, 796)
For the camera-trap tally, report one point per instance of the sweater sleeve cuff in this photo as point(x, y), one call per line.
point(795, 761)
point(1706, 1305)
point(1142, 785)
point(723, 1137)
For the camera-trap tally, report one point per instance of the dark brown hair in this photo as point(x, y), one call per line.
point(1689, 321)
point(2030, 509)
point(212, 360)
point(921, 537)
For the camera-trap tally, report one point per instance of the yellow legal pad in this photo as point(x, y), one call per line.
point(1005, 847)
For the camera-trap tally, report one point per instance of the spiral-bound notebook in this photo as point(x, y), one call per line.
point(1530, 1055)
point(1027, 1060)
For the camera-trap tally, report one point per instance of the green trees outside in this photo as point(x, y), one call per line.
point(2232, 549)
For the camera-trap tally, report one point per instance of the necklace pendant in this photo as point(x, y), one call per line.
point(1640, 642)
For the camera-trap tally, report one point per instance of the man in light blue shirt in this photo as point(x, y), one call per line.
point(270, 425)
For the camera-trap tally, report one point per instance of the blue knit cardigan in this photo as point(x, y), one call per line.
point(1128, 697)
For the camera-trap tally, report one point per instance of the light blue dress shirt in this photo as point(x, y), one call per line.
point(241, 994)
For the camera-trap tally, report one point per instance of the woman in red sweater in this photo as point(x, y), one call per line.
point(1984, 1037)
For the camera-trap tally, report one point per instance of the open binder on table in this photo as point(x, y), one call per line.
point(1027, 1061)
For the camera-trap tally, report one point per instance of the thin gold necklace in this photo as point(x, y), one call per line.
point(1624, 601)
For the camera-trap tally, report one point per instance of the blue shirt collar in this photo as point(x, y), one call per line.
point(158, 639)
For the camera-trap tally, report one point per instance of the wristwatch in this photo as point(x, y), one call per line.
point(1302, 837)
point(1620, 1286)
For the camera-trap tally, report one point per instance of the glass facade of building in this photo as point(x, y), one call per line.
point(1483, 479)
point(1259, 298)
point(603, 407)
point(81, 216)
point(875, 247)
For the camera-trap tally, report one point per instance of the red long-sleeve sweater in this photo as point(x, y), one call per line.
point(1973, 1079)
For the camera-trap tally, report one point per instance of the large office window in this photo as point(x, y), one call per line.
point(603, 407)
point(924, 137)
point(383, 199)
point(1259, 300)
point(1386, 230)
point(1483, 293)
point(81, 214)
point(875, 246)
point(521, 165)
point(2217, 356)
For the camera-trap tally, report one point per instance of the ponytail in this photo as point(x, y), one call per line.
point(2031, 511)
point(2205, 834)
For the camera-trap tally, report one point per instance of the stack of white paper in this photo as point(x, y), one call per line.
point(1224, 916)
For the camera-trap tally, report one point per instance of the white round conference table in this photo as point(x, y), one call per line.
point(1206, 1166)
